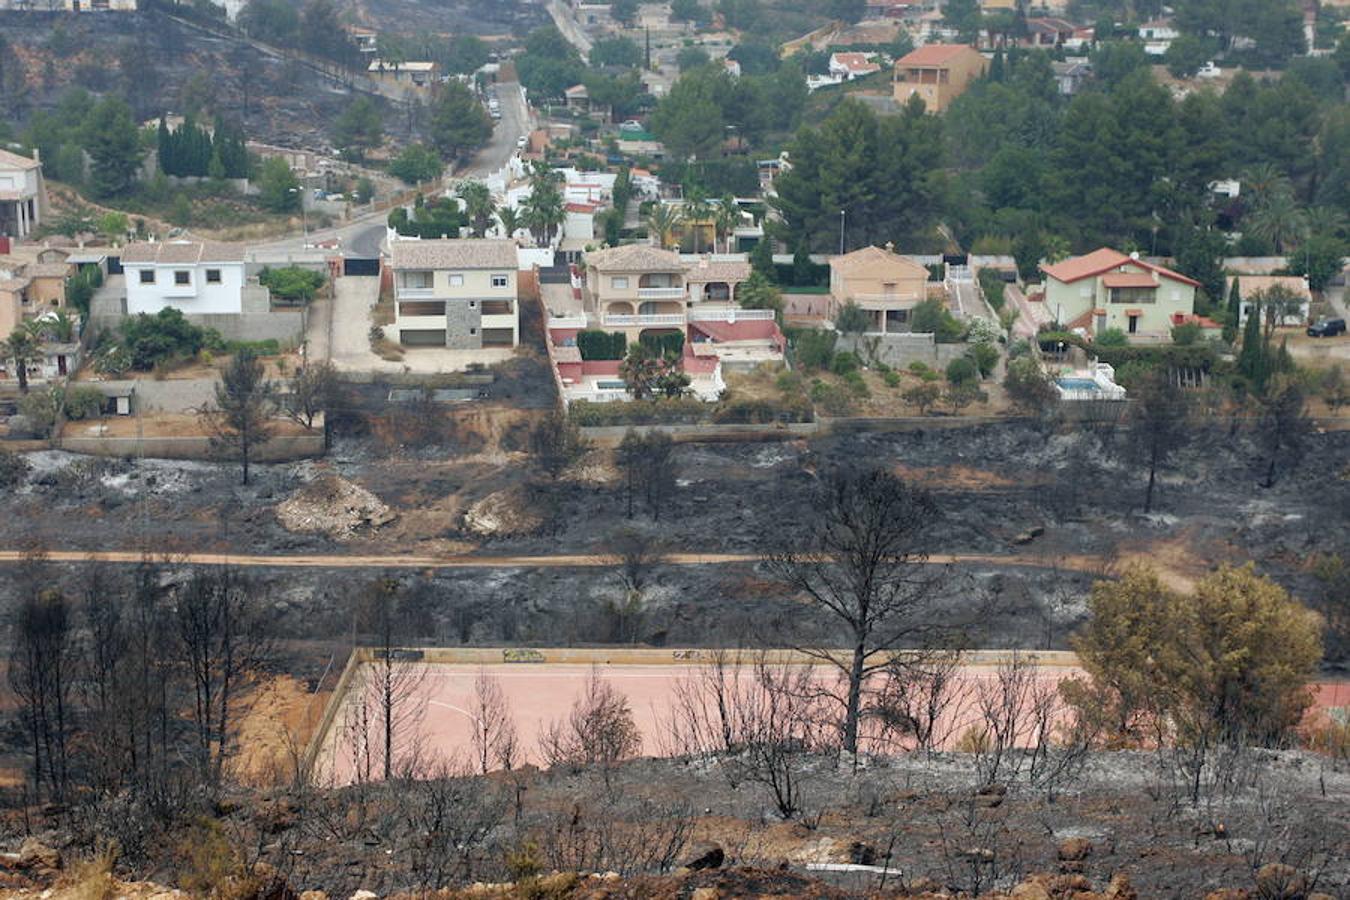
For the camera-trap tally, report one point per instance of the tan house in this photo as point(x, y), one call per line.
point(1252, 288)
point(885, 284)
point(404, 74)
point(31, 285)
point(1106, 289)
point(937, 74)
point(23, 195)
point(460, 294)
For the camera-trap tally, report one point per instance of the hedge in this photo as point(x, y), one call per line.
point(691, 411)
point(665, 343)
point(1176, 356)
point(595, 344)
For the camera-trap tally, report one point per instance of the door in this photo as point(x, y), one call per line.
point(61, 364)
point(1134, 324)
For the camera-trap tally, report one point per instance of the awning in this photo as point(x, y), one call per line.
point(1134, 313)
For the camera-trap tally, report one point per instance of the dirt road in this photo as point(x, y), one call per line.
point(552, 561)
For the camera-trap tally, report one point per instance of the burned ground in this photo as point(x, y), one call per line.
point(1046, 512)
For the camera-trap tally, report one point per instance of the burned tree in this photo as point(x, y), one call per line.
point(1159, 427)
point(646, 463)
point(1283, 427)
point(494, 731)
point(599, 730)
point(40, 675)
point(223, 641)
point(635, 553)
point(555, 443)
point(864, 566)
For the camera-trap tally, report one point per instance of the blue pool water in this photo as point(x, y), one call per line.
point(1078, 384)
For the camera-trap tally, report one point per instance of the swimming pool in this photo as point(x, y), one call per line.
point(1078, 384)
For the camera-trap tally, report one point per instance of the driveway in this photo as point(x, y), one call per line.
point(342, 332)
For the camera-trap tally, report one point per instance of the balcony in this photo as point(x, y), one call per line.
point(667, 320)
point(574, 321)
point(660, 293)
point(730, 314)
point(414, 293)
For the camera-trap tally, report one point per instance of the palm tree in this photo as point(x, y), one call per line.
point(1264, 179)
point(510, 220)
point(24, 348)
point(1324, 221)
point(697, 210)
point(662, 222)
point(59, 327)
point(478, 206)
point(544, 211)
point(1279, 220)
point(728, 217)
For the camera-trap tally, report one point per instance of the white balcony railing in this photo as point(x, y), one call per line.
point(660, 293)
point(730, 314)
point(577, 321)
point(411, 293)
point(886, 299)
point(675, 319)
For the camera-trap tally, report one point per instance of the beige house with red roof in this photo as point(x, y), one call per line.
point(23, 195)
point(937, 74)
point(1106, 289)
point(885, 284)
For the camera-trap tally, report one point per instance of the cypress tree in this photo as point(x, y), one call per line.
point(164, 144)
point(1234, 303)
point(1251, 361)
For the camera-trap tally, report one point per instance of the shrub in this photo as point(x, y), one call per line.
point(163, 336)
point(853, 379)
point(13, 469)
point(844, 363)
point(959, 396)
point(41, 409)
point(923, 396)
point(985, 358)
point(833, 399)
point(924, 371)
point(1112, 337)
point(814, 348)
point(1185, 334)
point(1028, 387)
point(983, 331)
point(891, 377)
point(763, 412)
point(83, 402)
point(852, 319)
point(1019, 348)
point(932, 317)
point(991, 282)
point(292, 283)
point(962, 371)
point(790, 382)
point(662, 411)
point(113, 360)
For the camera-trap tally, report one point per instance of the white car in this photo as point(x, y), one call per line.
point(522, 142)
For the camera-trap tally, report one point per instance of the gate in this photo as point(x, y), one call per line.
point(354, 265)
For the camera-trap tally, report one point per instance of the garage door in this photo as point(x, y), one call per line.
point(422, 337)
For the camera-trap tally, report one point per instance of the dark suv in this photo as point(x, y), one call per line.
point(1327, 328)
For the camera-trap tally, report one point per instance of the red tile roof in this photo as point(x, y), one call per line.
point(1102, 260)
point(753, 330)
point(1129, 280)
point(934, 55)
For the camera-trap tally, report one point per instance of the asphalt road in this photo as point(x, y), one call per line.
point(363, 236)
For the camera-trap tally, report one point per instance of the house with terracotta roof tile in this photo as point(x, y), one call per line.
point(1293, 290)
point(885, 284)
point(23, 195)
point(937, 74)
point(851, 65)
point(455, 293)
point(1107, 289)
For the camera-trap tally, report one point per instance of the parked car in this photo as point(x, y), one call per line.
point(1327, 328)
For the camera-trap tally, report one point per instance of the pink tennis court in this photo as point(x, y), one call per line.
point(437, 717)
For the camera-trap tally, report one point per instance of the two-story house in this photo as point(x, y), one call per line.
point(194, 277)
point(1107, 289)
point(885, 284)
point(937, 74)
point(455, 293)
point(636, 287)
point(23, 196)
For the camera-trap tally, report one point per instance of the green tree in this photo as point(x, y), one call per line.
point(478, 206)
point(758, 292)
point(549, 64)
point(241, 420)
point(466, 54)
point(278, 188)
point(1028, 387)
point(114, 148)
point(1229, 664)
point(544, 209)
point(616, 51)
point(359, 129)
point(459, 124)
point(662, 221)
point(415, 164)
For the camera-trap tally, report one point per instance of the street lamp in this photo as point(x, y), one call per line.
point(842, 216)
point(304, 225)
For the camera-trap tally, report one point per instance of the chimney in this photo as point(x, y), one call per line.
point(890, 246)
point(1134, 254)
point(37, 155)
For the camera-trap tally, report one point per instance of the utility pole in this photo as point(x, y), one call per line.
point(842, 216)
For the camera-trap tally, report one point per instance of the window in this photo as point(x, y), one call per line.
point(456, 279)
point(473, 304)
point(473, 331)
point(147, 276)
point(182, 277)
point(416, 281)
point(499, 281)
point(1133, 295)
point(213, 276)
point(619, 282)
